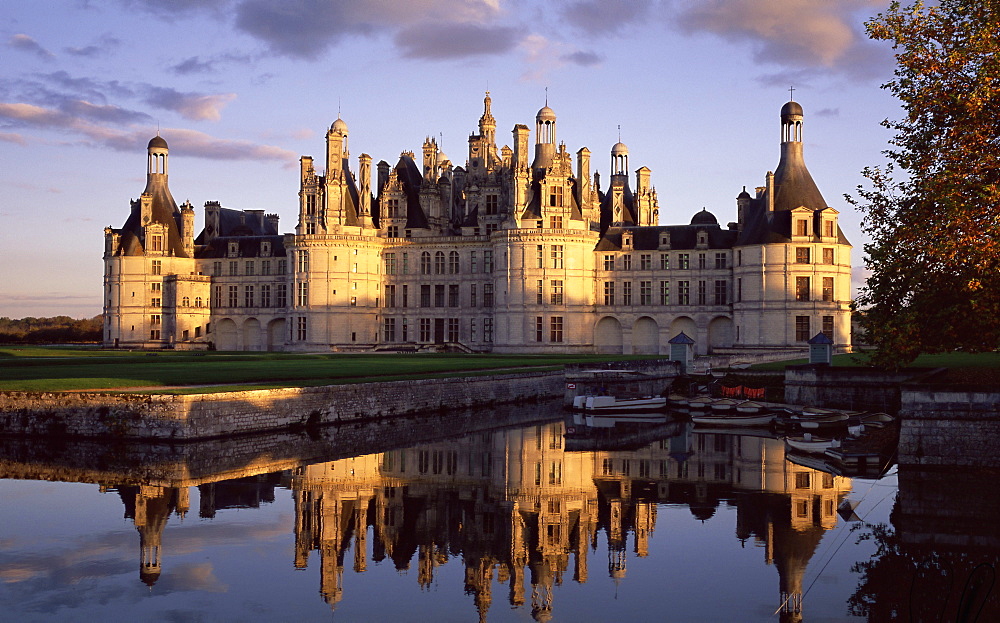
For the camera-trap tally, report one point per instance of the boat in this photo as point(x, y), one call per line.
point(872, 420)
point(749, 406)
point(829, 420)
point(810, 444)
point(701, 403)
point(724, 405)
point(610, 404)
point(751, 419)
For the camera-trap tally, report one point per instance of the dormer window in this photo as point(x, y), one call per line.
point(627, 241)
point(156, 243)
point(234, 249)
point(828, 229)
point(265, 249)
point(801, 227)
point(702, 239)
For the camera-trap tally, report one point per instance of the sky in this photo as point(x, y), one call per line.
point(240, 89)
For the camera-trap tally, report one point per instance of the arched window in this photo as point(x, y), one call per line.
point(425, 263)
point(186, 302)
point(454, 267)
point(439, 263)
point(197, 301)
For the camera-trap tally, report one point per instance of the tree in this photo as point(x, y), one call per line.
point(933, 212)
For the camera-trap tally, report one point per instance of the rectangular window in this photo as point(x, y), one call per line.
point(154, 319)
point(157, 243)
point(539, 256)
point(406, 263)
point(828, 326)
point(390, 263)
point(283, 266)
point(248, 296)
point(404, 330)
point(425, 295)
point(556, 221)
point(802, 255)
point(439, 295)
point(216, 269)
point(720, 261)
point(721, 289)
point(683, 261)
point(645, 292)
point(802, 329)
point(453, 329)
point(487, 329)
point(265, 296)
point(491, 204)
point(473, 300)
point(609, 292)
point(557, 293)
point(555, 196)
point(801, 227)
point(828, 256)
point(249, 268)
point(539, 292)
point(453, 296)
point(488, 261)
point(425, 329)
point(234, 296)
point(472, 329)
point(282, 295)
point(265, 267)
point(645, 261)
point(454, 263)
point(390, 296)
point(438, 263)
point(473, 262)
point(701, 261)
point(627, 261)
point(406, 295)
point(303, 261)
point(664, 293)
point(828, 288)
point(802, 288)
point(739, 289)
point(664, 261)
point(157, 267)
point(539, 328)
point(155, 302)
point(627, 293)
point(389, 330)
point(303, 294)
point(488, 296)
point(154, 334)
point(702, 294)
point(300, 329)
point(828, 229)
point(557, 256)
point(556, 329)
point(609, 262)
point(683, 292)
point(234, 268)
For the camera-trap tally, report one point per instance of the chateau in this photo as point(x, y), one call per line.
point(517, 251)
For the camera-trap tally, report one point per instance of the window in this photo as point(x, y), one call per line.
point(473, 263)
point(555, 478)
point(627, 293)
point(425, 330)
point(265, 267)
point(310, 228)
point(425, 295)
point(664, 293)
point(828, 326)
point(453, 329)
point(609, 292)
point(828, 288)
point(801, 227)
point(154, 334)
point(300, 328)
point(557, 293)
point(828, 229)
point(389, 259)
point(234, 269)
point(556, 221)
point(303, 293)
point(721, 288)
point(406, 295)
point(154, 319)
point(802, 329)
point(488, 261)
point(556, 329)
point(645, 261)
point(156, 268)
point(453, 296)
point(283, 266)
point(265, 296)
point(155, 302)
point(539, 256)
point(249, 268)
point(802, 255)
point(609, 262)
point(539, 328)
point(234, 296)
point(555, 196)
point(488, 297)
point(392, 231)
point(627, 261)
point(720, 261)
point(425, 263)
point(739, 289)
point(802, 288)
point(557, 256)
point(802, 480)
point(303, 261)
point(683, 292)
point(491, 204)
point(156, 242)
point(282, 295)
point(487, 329)
point(664, 261)
point(472, 329)
point(683, 261)
point(702, 295)
point(389, 330)
point(454, 265)
point(216, 269)
point(539, 292)
point(645, 292)
point(701, 261)
point(439, 295)
point(390, 296)
point(472, 295)
point(828, 256)
point(197, 301)
point(439, 263)
point(248, 296)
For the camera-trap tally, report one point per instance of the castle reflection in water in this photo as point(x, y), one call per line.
point(519, 507)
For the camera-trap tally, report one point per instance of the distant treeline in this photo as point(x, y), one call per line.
point(56, 330)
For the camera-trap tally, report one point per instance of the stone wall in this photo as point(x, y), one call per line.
point(862, 389)
point(205, 416)
point(950, 427)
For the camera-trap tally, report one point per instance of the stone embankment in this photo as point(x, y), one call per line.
point(207, 416)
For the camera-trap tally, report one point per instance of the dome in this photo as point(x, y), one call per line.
point(620, 149)
point(744, 194)
point(157, 142)
point(545, 114)
point(339, 125)
point(442, 158)
point(791, 109)
point(704, 218)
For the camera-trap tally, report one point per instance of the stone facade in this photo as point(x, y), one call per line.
point(512, 252)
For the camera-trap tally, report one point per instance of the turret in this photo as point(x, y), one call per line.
point(487, 124)
point(187, 228)
point(545, 138)
point(336, 149)
point(430, 160)
point(793, 186)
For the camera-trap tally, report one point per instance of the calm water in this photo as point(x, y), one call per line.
point(397, 522)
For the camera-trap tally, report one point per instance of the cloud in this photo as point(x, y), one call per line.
point(102, 46)
point(434, 41)
point(9, 137)
point(197, 65)
point(199, 144)
point(543, 56)
point(605, 16)
point(194, 106)
point(585, 59)
point(27, 44)
point(790, 33)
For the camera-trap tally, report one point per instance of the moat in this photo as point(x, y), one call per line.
point(432, 519)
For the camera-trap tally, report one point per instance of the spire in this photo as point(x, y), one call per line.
point(794, 186)
point(487, 124)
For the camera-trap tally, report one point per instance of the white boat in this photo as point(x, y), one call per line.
point(701, 403)
point(749, 406)
point(812, 445)
point(757, 419)
point(830, 419)
point(724, 405)
point(611, 420)
point(610, 404)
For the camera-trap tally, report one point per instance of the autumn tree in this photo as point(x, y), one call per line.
point(933, 212)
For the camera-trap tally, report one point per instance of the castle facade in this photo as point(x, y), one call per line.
point(517, 251)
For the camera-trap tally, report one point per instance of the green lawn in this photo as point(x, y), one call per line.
point(954, 361)
point(57, 369)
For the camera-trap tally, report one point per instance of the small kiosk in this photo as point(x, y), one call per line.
point(682, 350)
point(821, 349)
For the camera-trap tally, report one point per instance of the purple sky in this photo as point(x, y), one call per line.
point(241, 88)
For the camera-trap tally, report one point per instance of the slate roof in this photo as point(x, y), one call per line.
point(244, 228)
point(163, 210)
